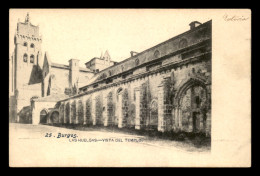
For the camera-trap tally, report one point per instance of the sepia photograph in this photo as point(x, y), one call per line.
point(125, 88)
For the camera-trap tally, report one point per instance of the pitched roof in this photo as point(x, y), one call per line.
point(67, 67)
point(52, 98)
point(106, 55)
point(47, 58)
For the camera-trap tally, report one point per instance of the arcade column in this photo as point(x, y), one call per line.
point(84, 110)
point(120, 113)
point(137, 109)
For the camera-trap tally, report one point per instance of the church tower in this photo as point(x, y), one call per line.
point(26, 65)
point(27, 53)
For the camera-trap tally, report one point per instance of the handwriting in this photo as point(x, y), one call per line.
point(235, 18)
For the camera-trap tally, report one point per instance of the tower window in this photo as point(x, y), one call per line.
point(25, 44)
point(32, 45)
point(25, 57)
point(32, 59)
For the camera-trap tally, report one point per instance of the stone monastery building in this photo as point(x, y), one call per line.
point(166, 87)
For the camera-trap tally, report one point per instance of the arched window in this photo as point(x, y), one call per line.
point(25, 44)
point(183, 43)
point(156, 54)
point(32, 45)
point(32, 59)
point(119, 90)
point(136, 62)
point(25, 56)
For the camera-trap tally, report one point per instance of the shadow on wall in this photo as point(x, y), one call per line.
point(25, 115)
point(36, 75)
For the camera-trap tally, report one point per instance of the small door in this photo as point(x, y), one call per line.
point(43, 117)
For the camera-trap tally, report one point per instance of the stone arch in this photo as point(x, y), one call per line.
point(67, 112)
point(54, 117)
point(43, 116)
point(80, 112)
point(184, 87)
point(190, 105)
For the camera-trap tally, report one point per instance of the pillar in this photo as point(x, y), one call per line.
point(208, 114)
point(120, 114)
point(201, 122)
point(176, 117)
point(70, 112)
point(77, 113)
point(84, 111)
point(93, 111)
point(105, 112)
point(35, 115)
point(161, 120)
point(180, 118)
point(191, 121)
point(65, 115)
point(137, 109)
point(208, 124)
point(60, 114)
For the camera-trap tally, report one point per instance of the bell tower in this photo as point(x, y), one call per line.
point(26, 65)
point(27, 54)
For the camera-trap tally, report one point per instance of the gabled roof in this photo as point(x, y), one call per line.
point(106, 55)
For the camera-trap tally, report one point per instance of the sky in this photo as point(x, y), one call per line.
point(85, 33)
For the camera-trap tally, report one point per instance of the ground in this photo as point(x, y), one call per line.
point(29, 146)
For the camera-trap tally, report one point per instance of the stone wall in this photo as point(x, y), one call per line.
point(165, 88)
point(161, 101)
